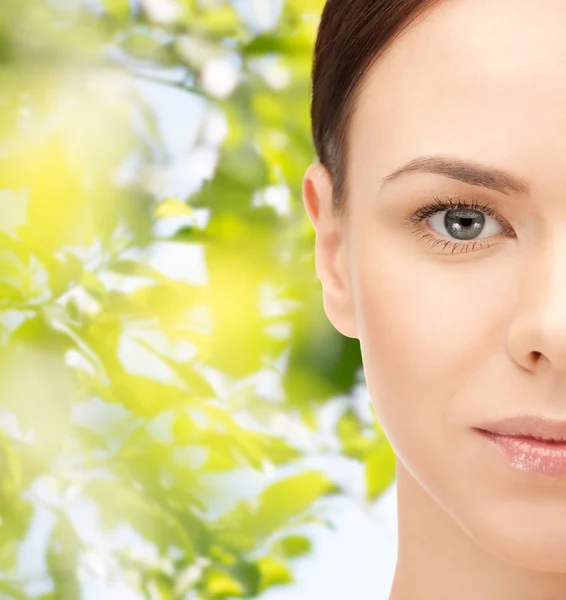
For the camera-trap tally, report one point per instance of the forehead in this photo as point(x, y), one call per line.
point(479, 79)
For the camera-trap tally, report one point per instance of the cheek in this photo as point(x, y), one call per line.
point(427, 327)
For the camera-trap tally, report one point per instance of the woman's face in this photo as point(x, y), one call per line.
point(448, 324)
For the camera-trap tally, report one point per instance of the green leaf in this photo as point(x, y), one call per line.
point(14, 524)
point(118, 9)
point(379, 470)
point(172, 207)
point(292, 546)
point(9, 293)
point(273, 572)
point(220, 584)
point(195, 381)
point(10, 474)
point(94, 286)
point(355, 442)
point(138, 269)
point(145, 396)
point(162, 525)
point(218, 462)
point(64, 272)
point(190, 235)
point(158, 586)
point(289, 498)
point(63, 559)
point(249, 576)
point(277, 44)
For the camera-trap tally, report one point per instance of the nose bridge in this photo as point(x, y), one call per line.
point(539, 328)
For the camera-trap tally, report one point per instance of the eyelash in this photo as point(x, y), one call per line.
point(454, 203)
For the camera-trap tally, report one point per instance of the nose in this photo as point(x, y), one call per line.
point(537, 335)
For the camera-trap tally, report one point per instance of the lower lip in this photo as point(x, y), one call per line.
point(529, 454)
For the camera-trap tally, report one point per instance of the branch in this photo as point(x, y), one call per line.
point(183, 85)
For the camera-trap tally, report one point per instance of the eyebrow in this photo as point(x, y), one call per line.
point(469, 172)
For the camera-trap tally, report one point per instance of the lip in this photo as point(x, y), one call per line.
point(529, 443)
point(530, 426)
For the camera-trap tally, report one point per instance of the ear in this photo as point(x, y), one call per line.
point(330, 250)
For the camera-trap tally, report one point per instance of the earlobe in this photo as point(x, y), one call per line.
point(330, 250)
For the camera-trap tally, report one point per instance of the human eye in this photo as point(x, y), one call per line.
point(459, 225)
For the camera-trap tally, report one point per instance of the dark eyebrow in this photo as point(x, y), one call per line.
point(466, 171)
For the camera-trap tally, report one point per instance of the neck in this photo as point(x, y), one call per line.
point(438, 560)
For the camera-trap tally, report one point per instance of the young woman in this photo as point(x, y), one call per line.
point(439, 203)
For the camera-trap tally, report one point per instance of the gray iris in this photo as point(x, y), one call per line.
point(464, 224)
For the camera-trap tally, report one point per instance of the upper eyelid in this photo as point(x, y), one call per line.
point(451, 202)
point(467, 202)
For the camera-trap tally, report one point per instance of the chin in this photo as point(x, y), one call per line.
point(532, 538)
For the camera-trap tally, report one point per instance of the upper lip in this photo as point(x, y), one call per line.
point(528, 426)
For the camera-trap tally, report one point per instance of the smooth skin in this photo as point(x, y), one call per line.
point(451, 338)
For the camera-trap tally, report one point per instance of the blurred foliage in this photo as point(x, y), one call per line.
point(131, 394)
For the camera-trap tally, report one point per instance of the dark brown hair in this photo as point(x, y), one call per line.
point(352, 34)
